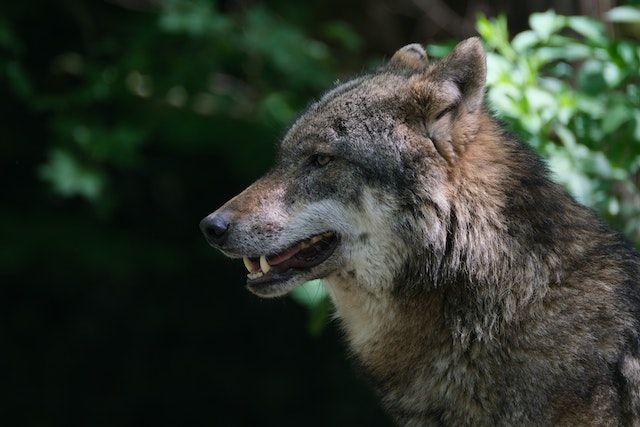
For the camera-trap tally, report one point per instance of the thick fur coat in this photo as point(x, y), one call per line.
point(472, 289)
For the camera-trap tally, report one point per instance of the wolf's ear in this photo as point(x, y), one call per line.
point(449, 93)
point(466, 68)
point(412, 57)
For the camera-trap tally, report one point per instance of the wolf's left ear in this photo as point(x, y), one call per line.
point(466, 68)
point(411, 57)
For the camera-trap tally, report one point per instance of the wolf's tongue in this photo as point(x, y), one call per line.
point(283, 256)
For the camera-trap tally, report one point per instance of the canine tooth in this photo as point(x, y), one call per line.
point(316, 239)
point(264, 265)
point(247, 263)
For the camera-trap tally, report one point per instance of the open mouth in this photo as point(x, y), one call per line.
point(304, 255)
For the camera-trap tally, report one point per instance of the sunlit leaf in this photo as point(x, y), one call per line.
point(310, 293)
point(624, 14)
point(588, 27)
point(547, 23)
point(524, 40)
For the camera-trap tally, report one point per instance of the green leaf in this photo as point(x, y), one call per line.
point(313, 295)
point(498, 68)
point(568, 52)
point(566, 136)
point(624, 14)
point(310, 293)
point(540, 99)
point(69, 178)
point(524, 41)
point(547, 23)
point(588, 27)
point(615, 117)
point(496, 34)
point(629, 54)
point(612, 74)
point(590, 77)
point(441, 50)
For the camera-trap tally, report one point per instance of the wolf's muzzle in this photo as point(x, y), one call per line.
point(215, 227)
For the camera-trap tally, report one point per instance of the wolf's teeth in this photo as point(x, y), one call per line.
point(316, 239)
point(254, 275)
point(264, 265)
point(247, 263)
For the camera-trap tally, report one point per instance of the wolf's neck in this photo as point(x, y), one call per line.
point(389, 335)
point(503, 237)
point(506, 233)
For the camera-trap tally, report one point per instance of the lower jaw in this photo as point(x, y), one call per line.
point(272, 278)
point(272, 289)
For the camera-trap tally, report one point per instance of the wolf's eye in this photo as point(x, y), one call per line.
point(442, 113)
point(321, 159)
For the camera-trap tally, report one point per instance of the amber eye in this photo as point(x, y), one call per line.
point(321, 159)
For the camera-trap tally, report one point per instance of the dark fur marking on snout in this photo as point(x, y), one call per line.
point(363, 238)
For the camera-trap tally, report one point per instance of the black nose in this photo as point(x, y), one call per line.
point(215, 226)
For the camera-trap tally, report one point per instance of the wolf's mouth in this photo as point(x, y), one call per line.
point(304, 255)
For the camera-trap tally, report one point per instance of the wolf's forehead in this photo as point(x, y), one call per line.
point(362, 91)
point(348, 105)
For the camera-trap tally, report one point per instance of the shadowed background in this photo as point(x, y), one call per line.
point(124, 122)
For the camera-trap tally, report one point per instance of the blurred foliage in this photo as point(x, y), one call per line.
point(314, 295)
point(244, 68)
point(573, 93)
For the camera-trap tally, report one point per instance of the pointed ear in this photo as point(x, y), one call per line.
point(466, 68)
point(412, 57)
point(448, 98)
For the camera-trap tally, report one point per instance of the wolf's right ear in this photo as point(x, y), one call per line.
point(448, 97)
point(412, 57)
point(466, 69)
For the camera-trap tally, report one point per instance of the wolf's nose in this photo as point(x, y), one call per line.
point(215, 226)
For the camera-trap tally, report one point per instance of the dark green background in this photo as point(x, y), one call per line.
point(123, 124)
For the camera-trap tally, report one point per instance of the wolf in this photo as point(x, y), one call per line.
point(471, 288)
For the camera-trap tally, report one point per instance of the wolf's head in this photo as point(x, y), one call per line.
point(355, 174)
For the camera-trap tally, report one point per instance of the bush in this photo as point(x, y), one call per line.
point(574, 94)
